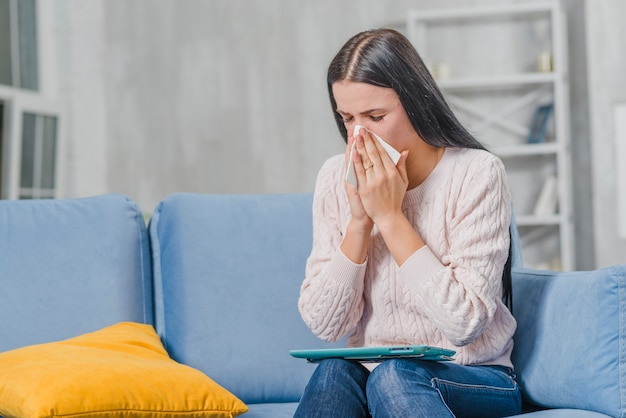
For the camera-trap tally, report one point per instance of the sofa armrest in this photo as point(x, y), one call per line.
point(570, 346)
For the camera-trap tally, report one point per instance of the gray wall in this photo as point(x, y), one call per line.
point(607, 86)
point(207, 96)
point(229, 96)
point(580, 131)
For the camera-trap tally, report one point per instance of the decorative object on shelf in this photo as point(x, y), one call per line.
point(547, 202)
point(544, 62)
point(443, 71)
point(539, 124)
point(440, 71)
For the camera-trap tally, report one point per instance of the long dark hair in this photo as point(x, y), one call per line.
point(386, 58)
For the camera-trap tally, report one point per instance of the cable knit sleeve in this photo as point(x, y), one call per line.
point(331, 296)
point(460, 290)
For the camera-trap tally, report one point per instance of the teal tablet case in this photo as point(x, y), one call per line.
point(374, 354)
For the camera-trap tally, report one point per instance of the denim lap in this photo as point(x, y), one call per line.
point(336, 389)
point(493, 399)
point(411, 388)
point(438, 389)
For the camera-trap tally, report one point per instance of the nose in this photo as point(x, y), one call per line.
point(358, 129)
point(358, 126)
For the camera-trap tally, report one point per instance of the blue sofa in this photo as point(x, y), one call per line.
point(218, 277)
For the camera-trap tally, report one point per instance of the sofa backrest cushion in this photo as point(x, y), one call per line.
point(570, 344)
point(71, 266)
point(228, 270)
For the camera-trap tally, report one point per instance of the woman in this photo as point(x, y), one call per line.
point(416, 253)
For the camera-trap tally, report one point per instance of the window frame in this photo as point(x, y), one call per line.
point(17, 102)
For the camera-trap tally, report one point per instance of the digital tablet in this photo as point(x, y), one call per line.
point(374, 354)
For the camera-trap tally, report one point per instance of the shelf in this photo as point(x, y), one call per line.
point(492, 11)
point(531, 220)
point(526, 150)
point(511, 80)
point(498, 91)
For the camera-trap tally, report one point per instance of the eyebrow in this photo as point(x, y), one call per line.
point(367, 112)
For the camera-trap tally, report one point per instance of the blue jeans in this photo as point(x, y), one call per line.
point(409, 388)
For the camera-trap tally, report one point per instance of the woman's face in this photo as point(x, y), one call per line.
point(377, 109)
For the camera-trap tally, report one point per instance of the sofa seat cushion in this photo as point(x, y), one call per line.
point(272, 410)
point(563, 413)
point(571, 338)
point(121, 370)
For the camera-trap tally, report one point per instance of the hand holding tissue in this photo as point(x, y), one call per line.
point(391, 151)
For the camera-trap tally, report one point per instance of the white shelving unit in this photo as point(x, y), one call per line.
point(487, 62)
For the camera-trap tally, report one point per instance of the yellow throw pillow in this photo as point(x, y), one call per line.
point(119, 371)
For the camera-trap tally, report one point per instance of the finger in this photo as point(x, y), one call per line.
point(385, 159)
point(366, 160)
point(361, 148)
point(402, 166)
point(360, 164)
point(375, 152)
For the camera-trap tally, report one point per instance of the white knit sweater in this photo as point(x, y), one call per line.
point(447, 294)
